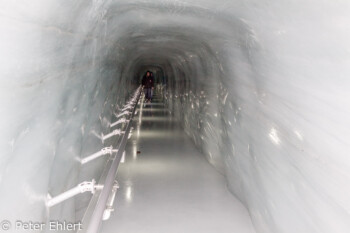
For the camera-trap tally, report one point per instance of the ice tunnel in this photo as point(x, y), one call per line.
point(253, 135)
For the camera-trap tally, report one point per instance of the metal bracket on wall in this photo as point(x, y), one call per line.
point(103, 151)
point(120, 121)
point(111, 134)
point(86, 186)
point(124, 113)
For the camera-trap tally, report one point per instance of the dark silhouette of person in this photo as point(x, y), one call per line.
point(148, 84)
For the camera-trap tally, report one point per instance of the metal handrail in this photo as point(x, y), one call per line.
point(94, 213)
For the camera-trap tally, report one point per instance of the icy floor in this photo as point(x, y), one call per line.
point(169, 186)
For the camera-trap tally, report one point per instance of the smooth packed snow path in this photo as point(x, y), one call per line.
point(168, 186)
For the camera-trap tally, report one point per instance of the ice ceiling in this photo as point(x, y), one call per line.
point(262, 88)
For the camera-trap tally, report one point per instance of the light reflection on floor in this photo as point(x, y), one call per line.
point(166, 185)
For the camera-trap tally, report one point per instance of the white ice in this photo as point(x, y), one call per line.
point(261, 87)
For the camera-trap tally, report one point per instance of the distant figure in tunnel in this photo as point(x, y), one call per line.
point(148, 84)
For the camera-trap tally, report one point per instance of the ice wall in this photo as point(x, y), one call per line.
point(261, 87)
point(60, 84)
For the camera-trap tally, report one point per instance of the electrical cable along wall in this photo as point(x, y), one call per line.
point(262, 89)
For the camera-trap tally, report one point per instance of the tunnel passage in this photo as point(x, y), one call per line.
point(260, 88)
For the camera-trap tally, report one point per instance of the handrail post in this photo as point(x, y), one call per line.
point(92, 224)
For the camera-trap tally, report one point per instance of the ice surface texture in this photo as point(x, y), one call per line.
point(262, 88)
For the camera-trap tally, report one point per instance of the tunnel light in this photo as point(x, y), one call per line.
point(299, 135)
point(130, 134)
point(274, 137)
point(122, 160)
point(128, 193)
point(138, 130)
point(134, 148)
